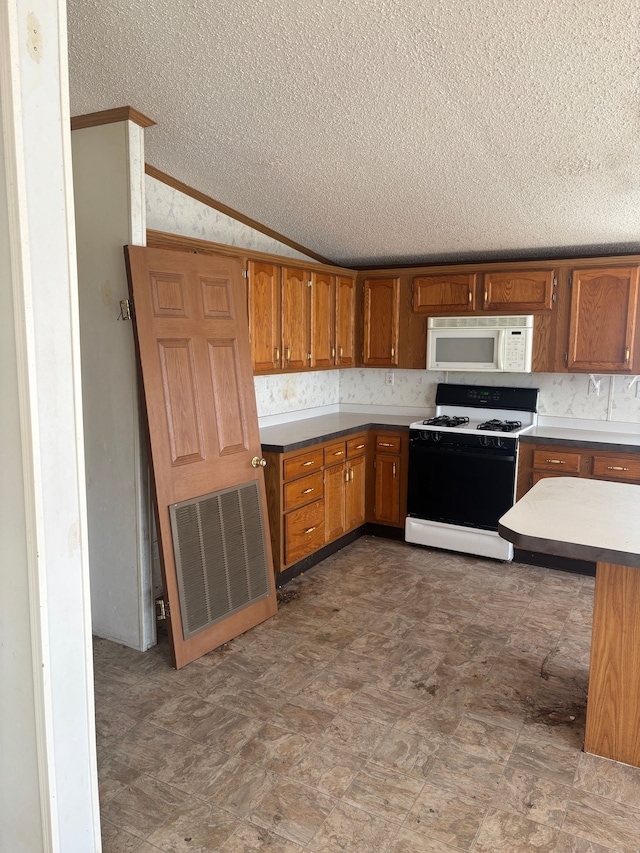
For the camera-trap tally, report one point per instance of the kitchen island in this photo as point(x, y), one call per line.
point(596, 520)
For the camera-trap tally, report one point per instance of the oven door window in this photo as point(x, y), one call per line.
point(472, 487)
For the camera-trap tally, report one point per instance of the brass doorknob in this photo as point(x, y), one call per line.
point(258, 463)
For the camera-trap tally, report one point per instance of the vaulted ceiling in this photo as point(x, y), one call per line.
point(376, 131)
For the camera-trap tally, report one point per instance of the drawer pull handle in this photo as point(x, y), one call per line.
point(310, 529)
point(394, 470)
point(346, 476)
point(470, 297)
point(310, 462)
point(338, 452)
point(288, 353)
point(351, 474)
point(308, 491)
point(359, 446)
point(616, 468)
point(555, 461)
point(627, 353)
point(340, 351)
point(486, 296)
point(384, 444)
point(277, 353)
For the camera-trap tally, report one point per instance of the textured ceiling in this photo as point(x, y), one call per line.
point(385, 130)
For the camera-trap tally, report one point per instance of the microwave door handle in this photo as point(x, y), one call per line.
point(502, 342)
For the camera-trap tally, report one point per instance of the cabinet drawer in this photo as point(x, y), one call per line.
point(388, 443)
point(557, 461)
point(303, 531)
point(335, 453)
point(303, 490)
point(356, 446)
point(617, 467)
point(302, 463)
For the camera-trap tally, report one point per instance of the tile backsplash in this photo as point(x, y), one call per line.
point(561, 395)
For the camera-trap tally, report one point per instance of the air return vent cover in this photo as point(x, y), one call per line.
point(220, 555)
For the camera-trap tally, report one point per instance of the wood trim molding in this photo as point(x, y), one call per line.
point(229, 211)
point(110, 117)
point(165, 240)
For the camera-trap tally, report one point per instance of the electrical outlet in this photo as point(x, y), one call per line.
point(594, 386)
point(389, 378)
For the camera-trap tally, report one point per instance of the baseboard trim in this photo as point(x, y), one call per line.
point(551, 561)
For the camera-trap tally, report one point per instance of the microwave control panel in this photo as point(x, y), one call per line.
point(516, 344)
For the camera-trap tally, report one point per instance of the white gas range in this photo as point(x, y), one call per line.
point(462, 467)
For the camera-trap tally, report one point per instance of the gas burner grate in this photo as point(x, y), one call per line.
point(500, 426)
point(447, 421)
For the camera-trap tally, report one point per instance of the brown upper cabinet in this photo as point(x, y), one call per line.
point(518, 290)
point(299, 319)
point(381, 321)
point(345, 353)
point(499, 292)
point(264, 316)
point(323, 301)
point(297, 307)
point(332, 320)
point(444, 294)
point(603, 321)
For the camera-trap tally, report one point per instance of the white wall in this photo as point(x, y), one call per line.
point(108, 176)
point(176, 213)
point(48, 777)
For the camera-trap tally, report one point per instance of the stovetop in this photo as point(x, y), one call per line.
point(485, 410)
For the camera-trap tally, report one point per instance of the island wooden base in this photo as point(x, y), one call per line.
point(613, 704)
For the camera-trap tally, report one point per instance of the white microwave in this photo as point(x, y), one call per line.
point(486, 344)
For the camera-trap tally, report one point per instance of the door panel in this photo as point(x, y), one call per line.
point(345, 321)
point(296, 310)
point(264, 310)
point(322, 328)
point(194, 352)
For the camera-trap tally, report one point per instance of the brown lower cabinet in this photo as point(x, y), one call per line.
point(537, 461)
point(387, 502)
point(317, 495)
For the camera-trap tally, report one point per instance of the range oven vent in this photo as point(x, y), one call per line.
point(220, 554)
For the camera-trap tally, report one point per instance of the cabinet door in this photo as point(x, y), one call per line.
point(444, 294)
point(355, 491)
point(604, 310)
point(519, 290)
point(345, 321)
point(387, 489)
point(322, 320)
point(334, 501)
point(264, 316)
point(381, 320)
point(296, 313)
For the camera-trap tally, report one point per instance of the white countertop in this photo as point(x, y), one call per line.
point(574, 517)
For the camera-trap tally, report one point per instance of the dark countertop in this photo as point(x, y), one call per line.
point(579, 518)
point(298, 434)
point(590, 439)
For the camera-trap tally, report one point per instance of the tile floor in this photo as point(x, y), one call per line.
point(406, 700)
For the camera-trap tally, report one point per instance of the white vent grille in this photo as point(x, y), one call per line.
point(220, 555)
point(519, 322)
